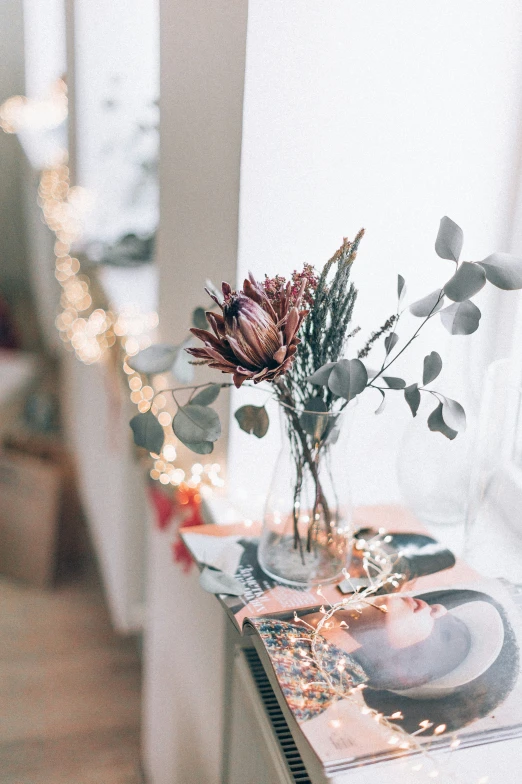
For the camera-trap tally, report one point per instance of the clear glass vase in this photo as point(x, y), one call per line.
point(493, 535)
point(434, 473)
point(307, 527)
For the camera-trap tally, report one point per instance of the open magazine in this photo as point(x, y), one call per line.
point(445, 652)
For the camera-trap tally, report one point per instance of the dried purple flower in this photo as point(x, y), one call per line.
point(254, 337)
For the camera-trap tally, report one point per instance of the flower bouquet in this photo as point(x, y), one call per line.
point(290, 337)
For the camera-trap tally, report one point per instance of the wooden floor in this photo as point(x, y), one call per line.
point(69, 688)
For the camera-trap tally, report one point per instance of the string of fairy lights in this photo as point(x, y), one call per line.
point(379, 566)
point(84, 326)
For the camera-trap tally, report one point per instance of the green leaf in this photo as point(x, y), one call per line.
point(437, 424)
point(200, 447)
point(427, 305)
point(253, 420)
point(154, 359)
point(467, 281)
point(147, 432)
point(432, 367)
point(413, 398)
point(390, 341)
point(453, 414)
point(401, 287)
point(461, 318)
point(394, 382)
point(218, 582)
point(314, 424)
point(182, 367)
point(348, 378)
point(199, 319)
point(382, 404)
point(503, 270)
point(450, 238)
point(206, 396)
point(194, 424)
point(321, 376)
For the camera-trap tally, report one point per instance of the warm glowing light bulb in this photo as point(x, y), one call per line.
point(169, 450)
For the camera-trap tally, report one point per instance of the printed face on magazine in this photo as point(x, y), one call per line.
point(450, 654)
point(401, 641)
point(404, 620)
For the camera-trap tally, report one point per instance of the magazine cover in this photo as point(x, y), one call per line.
point(437, 651)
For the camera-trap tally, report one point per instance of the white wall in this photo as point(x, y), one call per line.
point(183, 674)
point(202, 74)
point(112, 487)
point(382, 115)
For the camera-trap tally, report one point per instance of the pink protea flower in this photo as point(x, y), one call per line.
point(255, 336)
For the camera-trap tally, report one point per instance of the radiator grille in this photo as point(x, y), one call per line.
point(277, 719)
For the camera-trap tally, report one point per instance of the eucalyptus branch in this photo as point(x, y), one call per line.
point(193, 387)
point(271, 396)
point(434, 392)
point(410, 341)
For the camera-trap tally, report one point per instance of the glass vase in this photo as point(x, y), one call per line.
point(434, 473)
point(493, 540)
point(307, 527)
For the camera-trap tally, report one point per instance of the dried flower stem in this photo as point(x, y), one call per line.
point(386, 327)
point(304, 458)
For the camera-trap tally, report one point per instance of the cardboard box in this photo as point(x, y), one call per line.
point(41, 523)
point(29, 506)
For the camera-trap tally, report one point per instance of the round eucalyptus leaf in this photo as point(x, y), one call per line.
point(461, 318)
point(199, 318)
point(200, 447)
point(314, 424)
point(206, 396)
point(147, 432)
point(218, 582)
point(194, 424)
point(453, 414)
point(437, 424)
point(432, 367)
point(394, 382)
point(382, 404)
point(390, 341)
point(413, 398)
point(401, 287)
point(467, 281)
point(154, 359)
point(348, 378)
point(321, 376)
point(503, 270)
point(253, 420)
point(182, 367)
point(450, 238)
point(427, 305)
